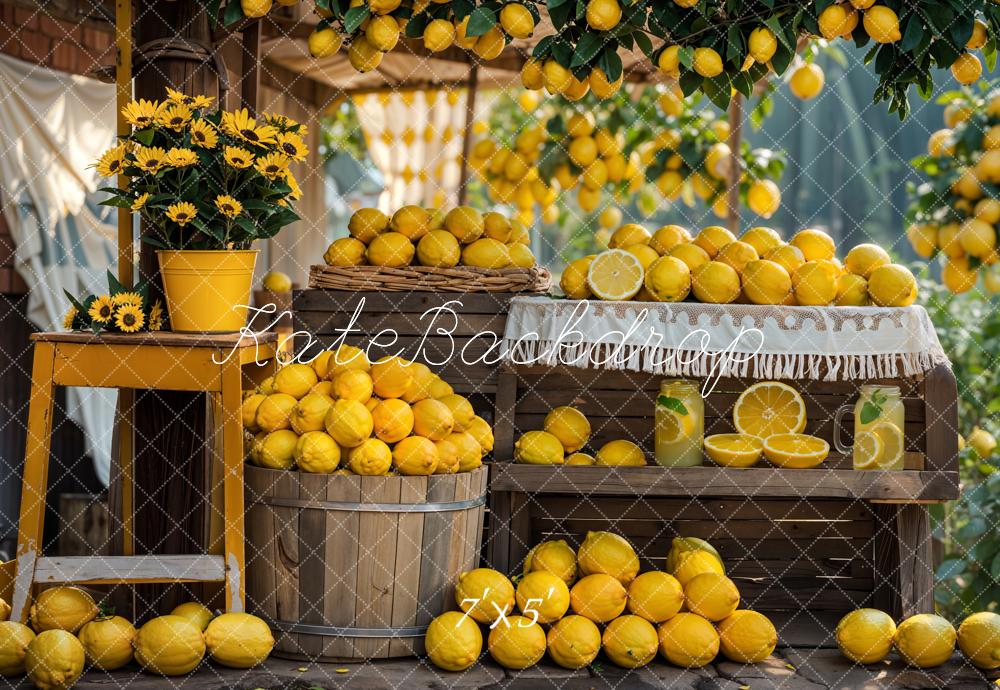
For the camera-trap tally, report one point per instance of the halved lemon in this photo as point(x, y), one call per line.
point(797, 451)
point(615, 275)
point(672, 426)
point(769, 408)
point(892, 444)
point(867, 451)
point(734, 450)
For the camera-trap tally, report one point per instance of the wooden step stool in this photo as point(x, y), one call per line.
point(215, 364)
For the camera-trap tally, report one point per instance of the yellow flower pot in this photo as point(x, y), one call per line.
point(207, 291)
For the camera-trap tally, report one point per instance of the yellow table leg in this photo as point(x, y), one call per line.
point(232, 461)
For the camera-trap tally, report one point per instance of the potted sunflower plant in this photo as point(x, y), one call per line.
point(207, 184)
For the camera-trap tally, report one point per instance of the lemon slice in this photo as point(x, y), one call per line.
point(892, 444)
point(797, 451)
point(867, 451)
point(733, 450)
point(769, 408)
point(615, 275)
point(671, 426)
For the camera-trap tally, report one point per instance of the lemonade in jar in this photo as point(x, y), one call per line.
point(879, 429)
point(679, 424)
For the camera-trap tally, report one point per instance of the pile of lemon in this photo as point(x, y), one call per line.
point(574, 604)
point(925, 640)
point(68, 633)
point(759, 267)
point(565, 432)
point(414, 235)
point(391, 416)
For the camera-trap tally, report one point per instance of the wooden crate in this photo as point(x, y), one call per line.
point(352, 568)
point(798, 541)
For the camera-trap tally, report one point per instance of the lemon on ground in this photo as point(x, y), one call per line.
point(734, 450)
point(539, 448)
point(865, 635)
point(465, 223)
point(615, 275)
point(569, 425)
point(747, 637)
point(627, 235)
point(892, 285)
point(608, 553)
point(169, 646)
point(453, 641)
point(439, 34)
point(691, 254)
point(480, 430)
point(691, 564)
point(769, 407)
point(516, 643)
point(688, 640)
point(14, 640)
point(574, 642)
point(603, 15)
point(620, 452)
point(543, 594)
point(392, 419)
point(574, 278)
point(62, 608)
point(391, 377)
point(925, 640)
point(324, 43)
point(681, 545)
point(867, 450)
point(295, 379)
point(716, 283)
point(712, 596)
point(713, 238)
point(766, 282)
point(107, 642)
point(852, 291)
point(238, 640)
point(979, 639)
point(461, 410)
point(309, 413)
point(655, 596)
point(432, 419)
point(762, 44)
point(668, 279)
point(707, 62)
point(555, 557)
point(797, 451)
point(197, 613)
point(815, 283)
point(371, 457)
point(415, 456)
point(54, 660)
point(630, 641)
point(865, 258)
point(599, 597)
point(349, 423)
point(439, 248)
point(787, 256)
point(390, 249)
point(737, 255)
point(484, 594)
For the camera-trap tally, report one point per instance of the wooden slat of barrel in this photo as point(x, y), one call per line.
point(341, 556)
point(407, 578)
point(436, 593)
point(286, 554)
point(312, 561)
point(376, 564)
point(262, 550)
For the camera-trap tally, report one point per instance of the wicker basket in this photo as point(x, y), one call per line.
point(429, 279)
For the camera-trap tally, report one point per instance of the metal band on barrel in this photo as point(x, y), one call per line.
point(331, 630)
point(374, 507)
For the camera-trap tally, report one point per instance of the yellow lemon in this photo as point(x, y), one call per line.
point(882, 24)
point(453, 641)
point(555, 557)
point(490, 45)
point(470, 453)
point(852, 291)
point(295, 380)
point(601, 87)
point(615, 275)
point(277, 450)
point(447, 453)
point(608, 553)
point(461, 410)
point(798, 451)
point(516, 20)
point(324, 43)
point(421, 380)
point(925, 640)
point(737, 255)
point(555, 77)
point(865, 635)
point(980, 34)
point(668, 279)
point(346, 251)
point(761, 238)
point(655, 596)
point(865, 258)
point(734, 450)
point(977, 238)
point(712, 596)
point(465, 223)
point(521, 255)
point(599, 597)
point(892, 285)
point(837, 20)
point(747, 637)
point(439, 248)
point(958, 276)
point(197, 613)
point(390, 249)
point(814, 244)
point(682, 545)
point(255, 9)
point(392, 420)
point(238, 640)
point(982, 442)
point(516, 643)
point(317, 452)
point(412, 222)
point(349, 423)
point(628, 235)
point(762, 44)
point(539, 448)
point(603, 15)
point(107, 642)
point(14, 640)
point(691, 254)
point(620, 452)
point(480, 430)
point(924, 239)
point(769, 407)
point(371, 457)
point(630, 641)
point(391, 377)
point(310, 412)
point(543, 595)
point(382, 32)
point(346, 357)
point(815, 283)
point(415, 456)
point(276, 281)
point(707, 62)
point(484, 594)
point(764, 198)
point(439, 34)
point(690, 564)
point(248, 411)
point(979, 639)
point(54, 660)
point(62, 608)
point(806, 81)
point(169, 646)
point(766, 282)
point(574, 642)
point(570, 426)
point(787, 256)
point(363, 56)
point(668, 237)
point(432, 419)
point(669, 61)
point(574, 278)
point(716, 283)
point(582, 151)
point(688, 640)
point(486, 253)
point(713, 238)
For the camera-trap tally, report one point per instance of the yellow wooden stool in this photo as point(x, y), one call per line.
point(216, 364)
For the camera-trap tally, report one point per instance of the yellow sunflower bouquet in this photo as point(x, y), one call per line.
point(203, 178)
point(120, 310)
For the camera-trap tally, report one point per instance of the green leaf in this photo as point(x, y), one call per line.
point(481, 20)
point(355, 17)
point(869, 412)
point(645, 44)
point(672, 403)
point(233, 13)
point(586, 49)
point(913, 34)
point(145, 136)
point(719, 90)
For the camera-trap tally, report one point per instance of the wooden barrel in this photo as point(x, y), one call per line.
point(349, 568)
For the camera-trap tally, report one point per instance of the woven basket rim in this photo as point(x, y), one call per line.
point(535, 280)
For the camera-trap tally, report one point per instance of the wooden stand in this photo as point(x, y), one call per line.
point(216, 364)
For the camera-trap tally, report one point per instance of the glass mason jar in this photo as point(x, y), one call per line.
point(879, 429)
point(679, 424)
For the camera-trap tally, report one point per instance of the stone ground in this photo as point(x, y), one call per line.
point(788, 669)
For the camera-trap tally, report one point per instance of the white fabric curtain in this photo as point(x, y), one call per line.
point(53, 126)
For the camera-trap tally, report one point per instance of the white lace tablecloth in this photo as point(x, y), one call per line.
point(745, 340)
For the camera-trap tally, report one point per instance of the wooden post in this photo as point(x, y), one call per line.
point(735, 163)
point(470, 116)
point(250, 85)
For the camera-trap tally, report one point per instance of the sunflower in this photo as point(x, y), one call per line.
point(133, 298)
point(101, 309)
point(139, 203)
point(111, 161)
point(129, 318)
point(150, 159)
point(175, 117)
point(237, 157)
point(180, 158)
point(296, 192)
point(141, 113)
point(228, 206)
point(284, 123)
point(240, 124)
point(182, 212)
point(203, 135)
point(273, 165)
point(291, 144)
point(199, 102)
point(70, 318)
point(155, 322)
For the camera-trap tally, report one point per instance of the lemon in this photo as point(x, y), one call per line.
point(447, 453)
point(295, 380)
point(415, 456)
point(630, 641)
point(484, 594)
point(276, 281)
point(600, 86)
point(54, 659)
point(715, 282)
point(615, 275)
point(481, 431)
point(490, 45)
point(611, 216)
point(798, 451)
point(979, 639)
point(238, 640)
point(980, 34)
point(764, 198)
point(363, 56)
point(655, 596)
point(668, 279)
point(620, 452)
point(882, 24)
point(349, 423)
point(982, 442)
point(324, 43)
point(806, 81)
point(317, 452)
point(890, 441)
point(713, 238)
point(762, 44)
point(574, 642)
point(543, 594)
point(461, 410)
point(837, 20)
point(924, 239)
point(688, 640)
point(309, 412)
point(62, 608)
point(382, 32)
point(555, 77)
point(197, 613)
point(747, 637)
point(392, 419)
point(925, 640)
point(516, 643)
point(371, 457)
point(588, 199)
point(14, 640)
point(539, 448)
point(469, 452)
point(603, 15)
point(957, 275)
point(390, 249)
point(712, 596)
point(391, 377)
point(277, 450)
point(977, 237)
point(439, 248)
point(570, 426)
point(769, 407)
point(608, 553)
point(555, 557)
point(432, 419)
point(865, 635)
point(734, 450)
point(627, 235)
point(867, 450)
point(690, 564)
point(346, 251)
point(707, 62)
point(574, 278)
point(865, 258)
point(582, 151)
point(439, 34)
point(892, 285)
point(852, 291)
point(737, 255)
point(486, 253)
point(940, 143)
point(107, 642)
point(255, 9)
point(988, 211)
point(787, 256)
point(668, 237)
point(814, 283)
point(4, 610)
point(691, 254)
point(520, 255)
point(967, 185)
point(169, 646)
point(682, 545)
point(412, 222)
point(347, 357)
point(465, 223)
point(766, 282)
point(248, 411)
point(421, 380)
point(453, 641)
point(598, 597)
